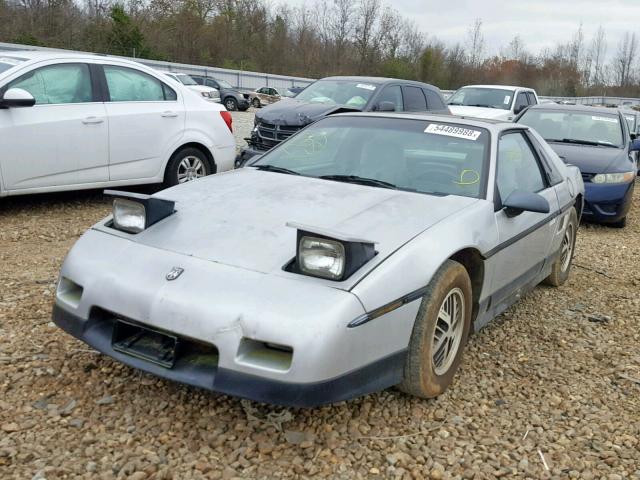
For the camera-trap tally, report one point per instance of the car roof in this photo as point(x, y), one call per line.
point(489, 124)
point(502, 87)
point(32, 55)
point(574, 108)
point(379, 80)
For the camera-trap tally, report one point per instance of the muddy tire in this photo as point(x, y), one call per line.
point(440, 333)
point(562, 266)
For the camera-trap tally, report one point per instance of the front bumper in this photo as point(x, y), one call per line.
point(607, 203)
point(97, 333)
point(246, 154)
point(233, 310)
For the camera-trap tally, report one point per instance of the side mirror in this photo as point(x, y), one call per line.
point(633, 135)
point(635, 145)
point(17, 97)
point(520, 201)
point(385, 107)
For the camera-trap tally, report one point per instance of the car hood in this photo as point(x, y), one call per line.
point(240, 218)
point(293, 112)
point(480, 112)
point(200, 88)
point(590, 159)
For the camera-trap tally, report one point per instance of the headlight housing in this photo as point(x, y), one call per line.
point(329, 255)
point(623, 177)
point(133, 212)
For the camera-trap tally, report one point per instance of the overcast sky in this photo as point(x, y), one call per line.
point(540, 23)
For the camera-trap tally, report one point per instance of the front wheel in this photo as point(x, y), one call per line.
point(561, 267)
point(256, 102)
point(231, 104)
point(186, 165)
point(440, 333)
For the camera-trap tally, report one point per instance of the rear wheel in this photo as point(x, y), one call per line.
point(440, 333)
point(186, 165)
point(561, 267)
point(620, 223)
point(231, 104)
point(255, 102)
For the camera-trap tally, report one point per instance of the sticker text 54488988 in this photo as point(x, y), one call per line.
point(449, 131)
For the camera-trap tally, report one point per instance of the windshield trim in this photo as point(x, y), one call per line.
point(486, 170)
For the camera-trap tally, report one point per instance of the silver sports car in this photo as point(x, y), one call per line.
point(357, 255)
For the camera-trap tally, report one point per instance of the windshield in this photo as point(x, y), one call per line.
point(186, 79)
point(9, 62)
point(575, 127)
point(482, 97)
point(405, 154)
point(338, 92)
point(224, 84)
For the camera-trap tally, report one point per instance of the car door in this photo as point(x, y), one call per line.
point(524, 241)
point(414, 100)
point(392, 94)
point(61, 140)
point(146, 118)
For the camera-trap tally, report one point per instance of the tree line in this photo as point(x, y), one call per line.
point(327, 37)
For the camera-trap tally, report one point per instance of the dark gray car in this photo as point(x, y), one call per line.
point(330, 95)
point(232, 98)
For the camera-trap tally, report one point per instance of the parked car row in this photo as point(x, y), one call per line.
point(368, 234)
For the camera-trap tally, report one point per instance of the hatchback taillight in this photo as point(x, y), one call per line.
point(226, 116)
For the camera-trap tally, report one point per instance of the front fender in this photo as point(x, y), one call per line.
point(412, 266)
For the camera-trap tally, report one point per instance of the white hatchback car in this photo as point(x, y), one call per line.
point(76, 121)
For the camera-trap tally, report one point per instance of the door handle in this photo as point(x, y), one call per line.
point(169, 114)
point(92, 120)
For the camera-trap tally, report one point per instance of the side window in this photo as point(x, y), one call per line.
point(518, 168)
point(210, 83)
point(414, 100)
point(521, 102)
point(130, 85)
point(56, 84)
point(532, 98)
point(553, 174)
point(392, 94)
point(198, 80)
point(434, 102)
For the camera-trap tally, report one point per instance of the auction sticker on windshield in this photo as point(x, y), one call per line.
point(366, 86)
point(449, 131)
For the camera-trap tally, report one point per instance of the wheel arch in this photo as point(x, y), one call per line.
point(196, 145)
point(473, 262)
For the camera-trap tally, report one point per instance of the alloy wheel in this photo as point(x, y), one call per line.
point(447, 336)
point(190, 168)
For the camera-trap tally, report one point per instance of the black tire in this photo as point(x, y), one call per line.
point(175, 167)
point(256, 102)
point(231, 104)
point(562, 266)
point(620, 223)
point(421, 375)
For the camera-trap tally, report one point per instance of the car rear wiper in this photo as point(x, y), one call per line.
point(582, 142)
point(273, 168)
point(360, 180)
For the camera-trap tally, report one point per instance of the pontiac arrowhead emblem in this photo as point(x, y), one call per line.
point(174, 273)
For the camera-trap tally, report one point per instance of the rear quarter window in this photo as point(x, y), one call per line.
point(434, 102)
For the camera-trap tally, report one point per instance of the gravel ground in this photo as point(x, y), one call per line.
point(551, 389)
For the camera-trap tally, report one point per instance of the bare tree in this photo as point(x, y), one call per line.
point(598, 52)
point(365, 31)
point(475, 44)
point(624, 59)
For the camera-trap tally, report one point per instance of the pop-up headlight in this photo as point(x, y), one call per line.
point(331, 255)
point(134, 212)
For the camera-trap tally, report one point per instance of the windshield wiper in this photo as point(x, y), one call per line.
point(582, 142)
point(484, 105)
point(273, 168)
point(360, 180)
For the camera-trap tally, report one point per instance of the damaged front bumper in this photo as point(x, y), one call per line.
point(264, 337)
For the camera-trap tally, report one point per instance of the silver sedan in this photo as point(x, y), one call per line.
point(355, 256)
